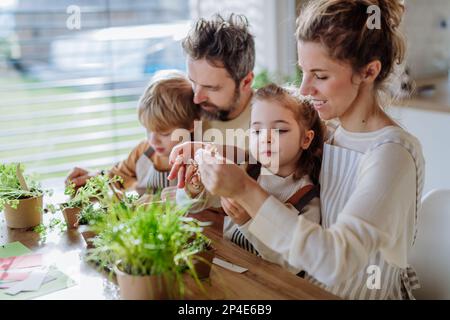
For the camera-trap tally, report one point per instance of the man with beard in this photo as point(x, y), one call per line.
point(220, 60)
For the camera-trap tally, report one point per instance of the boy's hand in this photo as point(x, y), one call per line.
point(146, 198)
point(169, 193)
point(79, 176)
point(235, 211)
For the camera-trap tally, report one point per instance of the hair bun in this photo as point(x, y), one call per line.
point(341, 26)
point(391, 11)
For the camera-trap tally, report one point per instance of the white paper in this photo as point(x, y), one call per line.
point(7, 285)
point(229, 266)
point(32, 283)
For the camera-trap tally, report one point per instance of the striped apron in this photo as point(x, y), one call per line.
point(149, 179)
point(338, 181)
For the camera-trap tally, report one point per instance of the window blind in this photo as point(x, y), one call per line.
point(71, 73)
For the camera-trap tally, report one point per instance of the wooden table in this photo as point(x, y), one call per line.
point(263, 280)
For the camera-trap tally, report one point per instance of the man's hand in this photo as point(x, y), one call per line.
point(79, 176)
point(179, 157)
point(193, 184)
point(235, 211)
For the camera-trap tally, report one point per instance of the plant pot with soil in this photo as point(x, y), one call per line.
point(71, 215)
point(148, 247)
point(96, 190)
point(89, 216)
point(21, 197)
point(203, 262)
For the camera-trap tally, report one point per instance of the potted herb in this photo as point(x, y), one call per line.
point(71, 209)
point(203, 257)
point(96, 189)
point(150, 249)
point(89, 216)
point(21, 197)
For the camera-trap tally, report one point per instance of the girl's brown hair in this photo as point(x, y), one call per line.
point(308, 119)
point(344, 28)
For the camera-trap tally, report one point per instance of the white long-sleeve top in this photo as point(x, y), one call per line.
point(281, 188)
point(378, 216)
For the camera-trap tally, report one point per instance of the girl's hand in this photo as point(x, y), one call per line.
point(235, 211)
point(219, 175)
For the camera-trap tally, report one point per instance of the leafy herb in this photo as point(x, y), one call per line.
point(152, 239)
point(11, 191)
point(97, 188)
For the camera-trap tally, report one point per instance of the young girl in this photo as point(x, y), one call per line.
point(286, 140)
point(372, 170)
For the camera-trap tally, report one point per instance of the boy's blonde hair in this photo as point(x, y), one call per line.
point(167, 103)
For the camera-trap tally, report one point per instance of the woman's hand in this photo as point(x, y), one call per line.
point(235, 211)
point(219, 175)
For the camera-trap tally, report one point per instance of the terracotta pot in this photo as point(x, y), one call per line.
point(88, 235)
point(71, 216)
point(27, 215)
point(203, 264)
point(143, 287)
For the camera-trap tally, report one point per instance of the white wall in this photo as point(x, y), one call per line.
point(428, 41)
point(433, 130)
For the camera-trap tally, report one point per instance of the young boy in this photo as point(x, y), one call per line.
point(166, 105)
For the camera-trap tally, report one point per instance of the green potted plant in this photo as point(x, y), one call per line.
point(149, 247)
point(96, 189)
point(21, 197)
point(203, 255)
point(91, 216)
point(71, 209)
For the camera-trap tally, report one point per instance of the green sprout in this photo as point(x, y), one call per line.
point(11, 191)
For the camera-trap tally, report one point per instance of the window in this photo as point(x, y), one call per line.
point(69, 88)
point(71, 71)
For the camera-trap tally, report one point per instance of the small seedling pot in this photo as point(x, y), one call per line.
point(27, 215)
point(71, 216)
point(88, 235)
point(203, 263)
point(142, 287)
